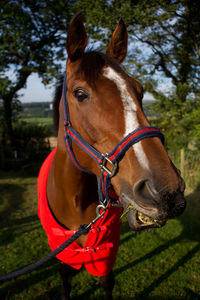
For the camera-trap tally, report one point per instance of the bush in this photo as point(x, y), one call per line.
point(30, 140)
point(30, 144)
point(180, 122)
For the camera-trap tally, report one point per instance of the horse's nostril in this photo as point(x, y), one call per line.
point(151, 189)
point(145, 193)
point(167, 204)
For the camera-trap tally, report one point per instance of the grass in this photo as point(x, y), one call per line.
point(43, 121)
point(160, 264)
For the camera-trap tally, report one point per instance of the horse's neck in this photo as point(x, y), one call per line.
point(72, 194)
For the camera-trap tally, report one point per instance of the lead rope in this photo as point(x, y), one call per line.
point(83, 230)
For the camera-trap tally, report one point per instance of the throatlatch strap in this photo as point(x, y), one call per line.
point(104, 184)
point(66, 116)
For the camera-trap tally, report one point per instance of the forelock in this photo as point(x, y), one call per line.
point(92, 64)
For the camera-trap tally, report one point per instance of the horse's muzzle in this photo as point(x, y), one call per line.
point(151, 209)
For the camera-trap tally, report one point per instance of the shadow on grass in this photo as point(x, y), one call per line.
point(164, 276)
point(18, 227)
point(52, 293)
point(191, 229)
point(11, 199)
point(20, 284)
point(158, 297)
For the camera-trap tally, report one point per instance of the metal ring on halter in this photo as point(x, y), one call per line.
point(104, 165)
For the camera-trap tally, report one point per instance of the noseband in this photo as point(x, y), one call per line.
point(105, 190)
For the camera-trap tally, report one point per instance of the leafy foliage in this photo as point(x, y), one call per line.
point(31, 144)
point(32, 38)
point(179, 121)
point(164, 39)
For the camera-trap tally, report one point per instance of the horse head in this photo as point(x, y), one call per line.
point(105, 105)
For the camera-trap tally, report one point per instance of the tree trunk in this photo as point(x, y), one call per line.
point(182, 91)
point(7, 134)
point(8, 141)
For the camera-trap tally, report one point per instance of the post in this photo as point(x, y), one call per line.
point(182, 164)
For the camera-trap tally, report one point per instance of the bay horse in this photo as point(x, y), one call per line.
point(103, 134)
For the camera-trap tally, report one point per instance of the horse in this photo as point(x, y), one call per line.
point(108, 152)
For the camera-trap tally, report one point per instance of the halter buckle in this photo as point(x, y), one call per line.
point(106, 160)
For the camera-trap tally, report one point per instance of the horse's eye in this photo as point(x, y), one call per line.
point(81, 94)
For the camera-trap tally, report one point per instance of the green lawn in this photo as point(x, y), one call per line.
point(44, 121)
point(160, 264)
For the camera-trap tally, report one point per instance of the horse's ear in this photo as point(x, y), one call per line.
point(118, 44)
point(76, 39)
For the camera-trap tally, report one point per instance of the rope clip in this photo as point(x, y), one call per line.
point(102, 207)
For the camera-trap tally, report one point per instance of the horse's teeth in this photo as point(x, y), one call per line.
point(144, 219)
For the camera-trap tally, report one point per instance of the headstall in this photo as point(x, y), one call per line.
point(105, 190)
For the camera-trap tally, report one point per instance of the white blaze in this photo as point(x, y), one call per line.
point(130, 108)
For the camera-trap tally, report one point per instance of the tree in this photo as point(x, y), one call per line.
point(32, 37)
point(164, 39)
point(164, 53)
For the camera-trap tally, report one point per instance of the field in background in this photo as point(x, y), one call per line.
point(36, 110)
point(38, 113)
point(43, 121)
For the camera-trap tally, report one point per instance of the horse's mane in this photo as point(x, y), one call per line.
point(56, 101)
point(90, 68)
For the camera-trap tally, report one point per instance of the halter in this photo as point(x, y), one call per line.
point(105, 190)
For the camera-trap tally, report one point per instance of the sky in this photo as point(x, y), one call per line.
point(36, 91)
